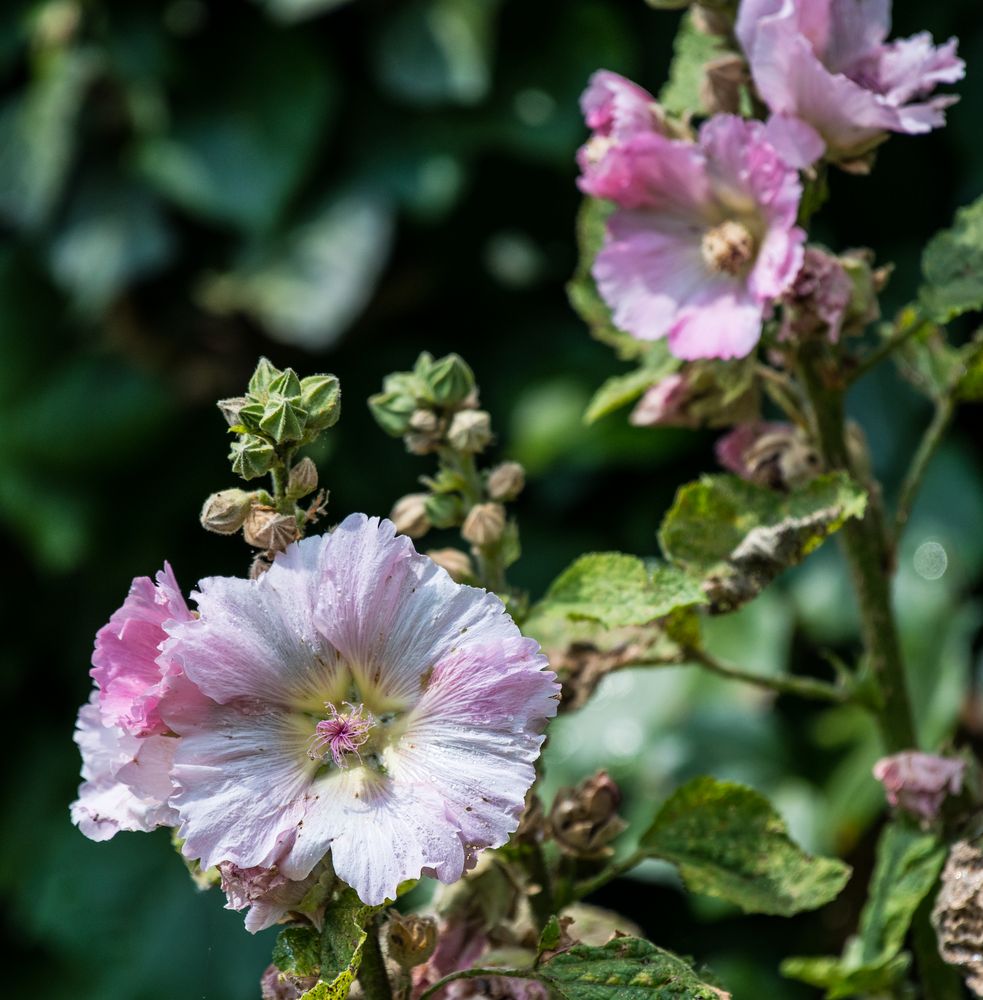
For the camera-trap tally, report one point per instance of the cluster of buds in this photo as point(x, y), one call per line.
point(279, 413)
point(433, 406)
point(584, 819)
point(434, 409)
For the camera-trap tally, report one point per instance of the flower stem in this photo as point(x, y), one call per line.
point(617, 868)
point(869, 555)
point(372, 973)
point(803, 687)
point(944, 409)
point(478, 974)
point(912, 326)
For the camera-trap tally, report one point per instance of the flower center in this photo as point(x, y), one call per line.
point(728, 248)
point(340, 734)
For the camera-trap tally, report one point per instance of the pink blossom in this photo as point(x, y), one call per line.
point(663, 404)
point(819, 299)
point(453, 698)
point(827, 63)
point(131, 674)
point(126, 782)
point(704, 239)
point(615, 109)
point(268, 893)
point(919, 782)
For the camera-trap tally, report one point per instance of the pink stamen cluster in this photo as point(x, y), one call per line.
point(340, 734)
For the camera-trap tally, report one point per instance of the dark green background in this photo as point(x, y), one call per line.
point(164, 162)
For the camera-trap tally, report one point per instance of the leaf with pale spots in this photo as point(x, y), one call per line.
point(342, 938)
point(618, 591)
point(625, 969)
point(737, 536)
point(952, 267)
point(620, 390)
point(298, 951)
point(692, 50)
point(727, 841)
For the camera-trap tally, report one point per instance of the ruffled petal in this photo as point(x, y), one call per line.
point(721, 322)
point(795, 141)
point(392, 613)
point(614, 106)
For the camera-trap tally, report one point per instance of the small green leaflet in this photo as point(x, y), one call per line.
point(692, 50)
point(952, 267)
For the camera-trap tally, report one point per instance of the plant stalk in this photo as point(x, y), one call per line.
point(944, 410)
point(372, 973)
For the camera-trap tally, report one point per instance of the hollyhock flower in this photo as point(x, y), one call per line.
point(704, 239)
point(919, 782)
point(127, 778)
point(826, 63)
point(615, 109)
point(131, 674)
point(363, 704)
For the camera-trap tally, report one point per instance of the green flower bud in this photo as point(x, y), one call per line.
point(470, 431)
point(286, 384)
point(225, 511)
point(444, 510)
point(229, 408)
point(259, 384)
point(282, 420)
point(450, 380)
point(302, 479)
point(320, 398)
point(392, 411)
point(251, 416)
point(251, 456)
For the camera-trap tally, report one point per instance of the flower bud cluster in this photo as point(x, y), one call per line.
point(279, 411)
point(584, 819)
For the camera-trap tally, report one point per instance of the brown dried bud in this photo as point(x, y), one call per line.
point(303, 479)
point(724, 80)
point(470, 431)
point(266, 529)
point(456, 562)
point(713, 19)
point(411, 939)
point(584, 820)
point(425, 432)
point(224, 512)
point(260, 564)
point(230, 408)
point(410, 515)
point(484, 525)
point(506, 481)
point(424, 421)
point(775, 455)
point(958, 912)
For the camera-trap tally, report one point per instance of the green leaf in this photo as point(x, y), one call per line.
point(38, 131)
point(306, 286)
point(927, 360)
point(620, 390)
point(952, 267)
point(969, 385)
point(436, 52)
point(582, 290)
point(728, 841)
point(738, 536)
point(342, 938)
point(908, 865)
point(626, 969)
point(241, 168)
point(298, 951)
point(114, 234)
point(618, 590)
point(692, 50)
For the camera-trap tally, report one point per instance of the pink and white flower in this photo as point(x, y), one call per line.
point(827, 63)
point(427, 760)
point(703, 240)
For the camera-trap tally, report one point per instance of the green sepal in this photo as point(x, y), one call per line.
point(445, 510)
point(286, 384)
point(282, 420)
point(392, 411)
point(262, 377)
point(251, 457)
point(450, 380)
point(320, 398)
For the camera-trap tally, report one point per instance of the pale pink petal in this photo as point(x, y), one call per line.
point(722, 322)
point(912, 67)
point(857, 27)
point(614, 106)
point(663, 405)
point(646, 273)
point(779, 261)
point(795, 141)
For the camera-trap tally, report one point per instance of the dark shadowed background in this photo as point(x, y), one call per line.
point(186, 185)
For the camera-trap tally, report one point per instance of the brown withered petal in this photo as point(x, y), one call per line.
point(958, 913)
point(584, 819)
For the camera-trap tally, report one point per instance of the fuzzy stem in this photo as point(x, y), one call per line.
point(912, 327)
point(372, 973)
point(868, 554)
point(944, 409)
point(478, 974)
point(803, 687)
point(617, 868)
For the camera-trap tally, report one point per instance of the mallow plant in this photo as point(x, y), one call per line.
point(358, 712)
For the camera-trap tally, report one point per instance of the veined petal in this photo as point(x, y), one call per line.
point(721, 322)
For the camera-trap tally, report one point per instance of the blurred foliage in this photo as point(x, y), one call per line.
point(187, 185)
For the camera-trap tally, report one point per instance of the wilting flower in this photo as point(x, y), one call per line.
point(819, 300)
point(268, 893)
point(777, 455)
point(704, 239)
point(363, 704)
point(919, 782)
point(826, 63)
